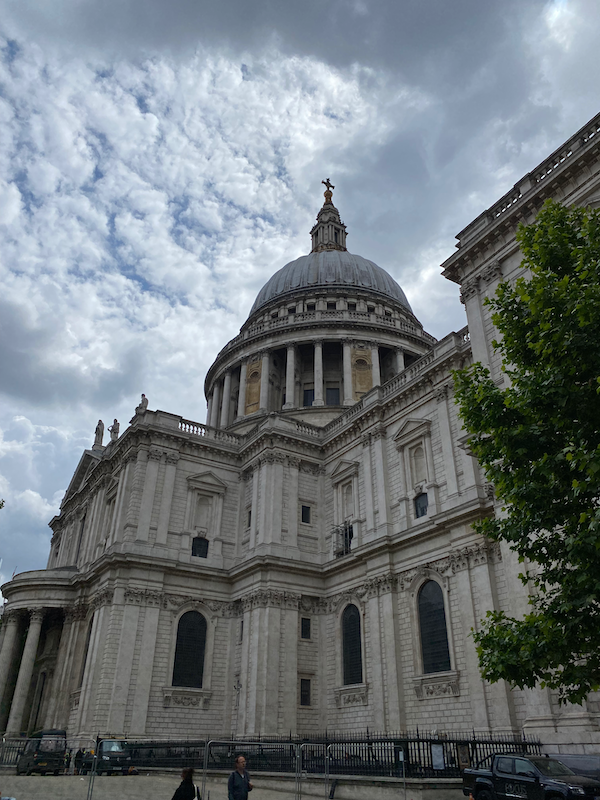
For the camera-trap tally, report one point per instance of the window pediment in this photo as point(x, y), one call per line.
point(207, 482)
point(411, 430)
point(344, 471)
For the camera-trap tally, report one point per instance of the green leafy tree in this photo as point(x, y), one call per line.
point(538, 442)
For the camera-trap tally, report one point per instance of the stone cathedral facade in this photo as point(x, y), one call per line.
point(304, 560)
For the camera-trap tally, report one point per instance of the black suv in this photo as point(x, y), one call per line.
point(44, 752)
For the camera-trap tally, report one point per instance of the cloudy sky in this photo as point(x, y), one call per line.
point(160, 160)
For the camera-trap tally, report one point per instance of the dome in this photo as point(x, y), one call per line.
point(330, 268)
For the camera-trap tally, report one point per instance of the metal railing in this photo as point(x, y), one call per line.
point(399, 755)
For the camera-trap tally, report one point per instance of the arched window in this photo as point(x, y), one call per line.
point(188, 668)
point(351, 647)
point(432, 623)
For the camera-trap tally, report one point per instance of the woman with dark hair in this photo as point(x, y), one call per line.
point(186, 789)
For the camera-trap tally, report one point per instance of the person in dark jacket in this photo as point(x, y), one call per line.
point(239, 784)
point(186, 789)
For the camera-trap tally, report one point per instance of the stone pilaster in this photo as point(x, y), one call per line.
point(153, 462)
point(164, 514)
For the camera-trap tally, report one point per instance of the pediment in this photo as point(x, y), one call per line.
point(88, 460)
point(345, 469)
point(207, 482)
point(411, 429)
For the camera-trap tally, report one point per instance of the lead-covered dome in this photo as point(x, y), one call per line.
point(330, 268)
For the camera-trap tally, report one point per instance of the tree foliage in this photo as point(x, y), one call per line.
point(538, 442)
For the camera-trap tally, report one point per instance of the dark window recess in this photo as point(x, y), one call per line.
point(332, 397)
point(387, 313)
point(304, 692)
point(200, 547)
point(352, 655)
point(331, 306)
point(292, 310)
point(309, 396)
point(189, 651)
point(305, 628)
point(371, 309)
point(351, 306)
point(421, 505)
point(432, 623)
point(306, 514)
point(249, 518)
point(241, 629)
point(274, 314)
point(310, 306)
point(335, 235)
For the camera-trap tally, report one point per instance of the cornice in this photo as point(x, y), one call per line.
point(520, 203)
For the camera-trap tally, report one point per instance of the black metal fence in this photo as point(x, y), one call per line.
point(371, 755)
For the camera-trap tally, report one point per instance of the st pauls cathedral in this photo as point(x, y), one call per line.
point(305, 560)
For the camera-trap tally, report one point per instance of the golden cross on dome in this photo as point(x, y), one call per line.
point(328, 184)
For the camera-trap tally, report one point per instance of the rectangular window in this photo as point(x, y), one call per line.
point(421, 505)
point(249, 518)
point(309, 396)
point(332, 396)
point(371, 309)
point(351, 306)
point(306, 514)
point(241, 629)
point(304, 692)
point(387, 313)
point(310, 306)
point(274, 314)
point(305, 628)
point(331, 306)
point(292, 310)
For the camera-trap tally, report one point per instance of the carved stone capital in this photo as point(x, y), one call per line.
point(144, 597)
point(36, 615)
point(492, 271)
point(469, 289)
point(154, 454)
point(172, 458)
point(263, 598)
point(102, 598)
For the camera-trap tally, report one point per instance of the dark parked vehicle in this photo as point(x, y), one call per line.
point(114, 755)
point(513, 775)
point(580, 763)
point(44, 752)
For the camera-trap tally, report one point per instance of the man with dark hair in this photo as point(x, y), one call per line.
point(239, 784)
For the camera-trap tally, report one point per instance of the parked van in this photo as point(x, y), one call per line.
point(44, 752)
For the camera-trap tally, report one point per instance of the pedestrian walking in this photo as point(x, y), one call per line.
point(186, 789)
point(239, 784)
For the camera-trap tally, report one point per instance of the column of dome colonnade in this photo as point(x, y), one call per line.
point(220, 413)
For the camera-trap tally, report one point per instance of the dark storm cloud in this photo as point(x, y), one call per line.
point(34, 370)
point(428, 40)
